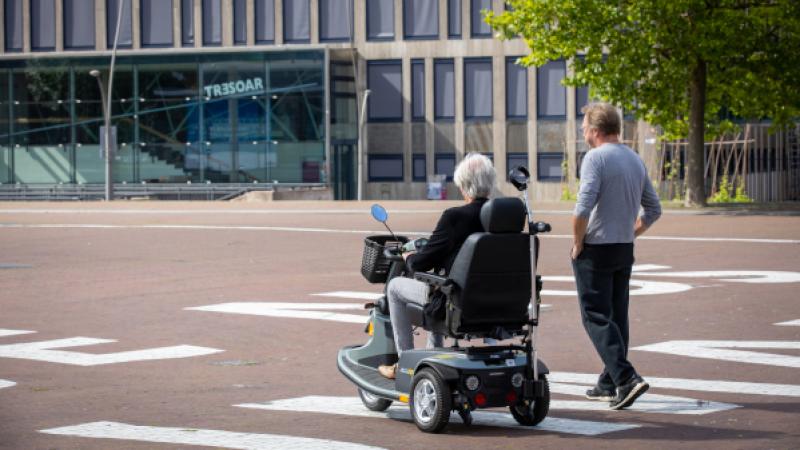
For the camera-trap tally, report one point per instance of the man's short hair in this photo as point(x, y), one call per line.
point(603, 117)
point(475, 175)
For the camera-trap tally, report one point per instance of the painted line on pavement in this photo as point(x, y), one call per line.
point(352, 406)
point(369, 232)
point(791, 323)
point(648, 403)
point(351, 294)
point(720, 350)
point(689, 384)
point(6, 332)
point(6, 384)
point(201, 437)
point(318, 311)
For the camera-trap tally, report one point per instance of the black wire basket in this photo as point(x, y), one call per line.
point(374, 265)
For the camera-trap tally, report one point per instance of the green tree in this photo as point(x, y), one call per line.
point(684, 65)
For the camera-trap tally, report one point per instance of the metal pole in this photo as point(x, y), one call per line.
point(361, 143)
point(109, 160)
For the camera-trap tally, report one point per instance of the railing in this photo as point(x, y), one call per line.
point(160, 191)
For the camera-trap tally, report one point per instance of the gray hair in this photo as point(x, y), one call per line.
point(475, 175)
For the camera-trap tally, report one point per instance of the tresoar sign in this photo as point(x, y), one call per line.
point(239, 87)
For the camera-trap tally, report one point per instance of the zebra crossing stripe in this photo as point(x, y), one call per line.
point(352, 406)
point(791, 323)
point(201, 437)
point(6, 384)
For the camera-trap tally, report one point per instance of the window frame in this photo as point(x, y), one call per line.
point(428, 37)
point(548, 155)
point(459, 16)
point(515, 155)
point(511, 61)
point(444, 156)
point(472, 12)
point(539, 114)
point(386, 62)
point(384, 157)
point(351, 20)
point(142, 23)
point(439, 62)
point(367, 25)
point(482, 60)
point(419, 157)
point(256, 23)
point(416, 62)
point(286, 40)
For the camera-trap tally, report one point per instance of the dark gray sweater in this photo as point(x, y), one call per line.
point(614, 184)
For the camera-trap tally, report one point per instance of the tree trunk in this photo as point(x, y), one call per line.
point(695, 154)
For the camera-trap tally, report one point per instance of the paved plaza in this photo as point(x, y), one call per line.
point(169, 325)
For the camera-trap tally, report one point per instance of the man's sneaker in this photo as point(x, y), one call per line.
point(629, 392)
point(601, 395)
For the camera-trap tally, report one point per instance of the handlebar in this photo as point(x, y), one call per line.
point(392, 254)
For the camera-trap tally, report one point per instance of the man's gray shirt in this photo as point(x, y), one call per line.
point(614, 183)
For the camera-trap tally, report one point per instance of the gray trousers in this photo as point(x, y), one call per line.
point(399, 292)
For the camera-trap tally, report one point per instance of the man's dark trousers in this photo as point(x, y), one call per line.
point(602, 275)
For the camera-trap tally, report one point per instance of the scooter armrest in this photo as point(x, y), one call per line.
point(431, 279)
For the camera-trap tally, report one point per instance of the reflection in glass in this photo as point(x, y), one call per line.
point(5, 151)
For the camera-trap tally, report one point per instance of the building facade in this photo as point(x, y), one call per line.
point(270, 91)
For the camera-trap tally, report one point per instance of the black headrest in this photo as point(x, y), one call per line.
point(503, 215)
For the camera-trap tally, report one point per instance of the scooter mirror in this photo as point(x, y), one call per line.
point(519, 177)
point(379, 213)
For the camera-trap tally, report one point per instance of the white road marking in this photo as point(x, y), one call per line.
point(201, 437)
point(365, 232)
point(644, 287)
point(791, 323)
point(319, 311)
point(736, 276)
point(646, 267)
point(719, 350)
point(691, 384)
point(352, 406)
point(6, 384)
point(352, 294)
point(648, 403)
point(6, 332)
point(42, 351)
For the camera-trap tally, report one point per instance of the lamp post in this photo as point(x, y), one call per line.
point(105, 97)
point(361, 143)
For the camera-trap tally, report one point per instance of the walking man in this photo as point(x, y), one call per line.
point(614, 184)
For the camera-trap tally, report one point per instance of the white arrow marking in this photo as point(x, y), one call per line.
point(791, 323)
point(352, 406)
point(41, 351)
point(6, 332)
point(352, 294)
point(291, 310)
point(6, 384)
point(649, 403)
point(718, 350)
point(645, 287)
point(736, 276)
point(206, 438)
point(689, 384)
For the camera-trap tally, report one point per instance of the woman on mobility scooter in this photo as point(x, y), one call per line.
point(475, 178)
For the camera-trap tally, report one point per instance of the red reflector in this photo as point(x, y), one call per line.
point(511, 398)
point(480, 399)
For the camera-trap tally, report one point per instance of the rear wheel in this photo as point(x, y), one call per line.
point(532, 414)
point(373, 402)
point(430, 401)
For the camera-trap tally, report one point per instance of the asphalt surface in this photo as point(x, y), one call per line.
point(127, 272)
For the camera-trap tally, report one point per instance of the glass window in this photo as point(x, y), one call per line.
point(444, 164)
point(581, 99)
point(444, 89)
point(421, 19)
point(477, 25)
point(335, 20)
point(478, 88)
point(385, 82)
point(79, 24)
point(296, 21)
point(212, 22)
point(265, 21)
point(549, 166)
point(453, 19)
point(380, 19)
point(5, 139)
point(516, 89)
point(419, 163)
point(156, 18)
point(515, 160)
point(385, 167)
point(551, 94)
point(187, 23)
point(43, 24)
point(13, 25)
point(418, 89)
point(125, 33)
point(240, 22)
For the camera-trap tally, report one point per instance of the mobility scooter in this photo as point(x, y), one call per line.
point(491, 293)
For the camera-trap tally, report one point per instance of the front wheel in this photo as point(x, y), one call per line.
point(430, 401)
point(373, 402)
point(530, 415)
